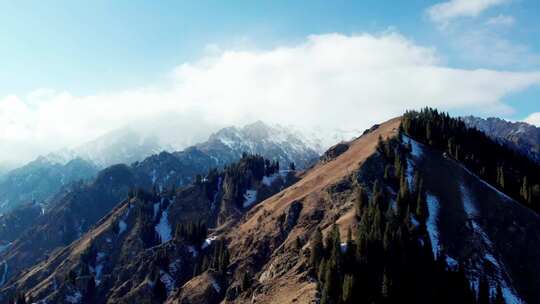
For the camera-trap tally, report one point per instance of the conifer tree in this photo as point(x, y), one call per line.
point(160, 291)
point(246, 281)
point(422, 212)
point(483, 291)
point(348, 289)
point(498, 298)
point(525, 190)
point(317, 248)
point(20, 299)
point(386, 286)
point(361, 201)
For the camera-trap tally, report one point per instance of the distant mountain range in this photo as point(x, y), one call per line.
point(40, 179)
point(519, 136)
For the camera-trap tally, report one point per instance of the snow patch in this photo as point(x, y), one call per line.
point(269, 180)
point(216, 195)
point(416, 148)
point(250, 197)
point(452, 263)
point(343, 247)
point(4, 273)
point(216, 286)
point(416, 153)
point(122, 226)
point(414, 221)
point(4, 247)
point(99, 267)
point(174, 267)
point(163, 228)
point(433, 229)
point(208, 242)
point(167, 280)
point(156, 209)
point(193, 251)
point(74, 298)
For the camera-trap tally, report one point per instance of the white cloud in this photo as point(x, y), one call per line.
point(330, 81)
point(533, 119)
point(501, 20)
point(446, 11)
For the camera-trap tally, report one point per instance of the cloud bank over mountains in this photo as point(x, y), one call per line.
point(330, 81)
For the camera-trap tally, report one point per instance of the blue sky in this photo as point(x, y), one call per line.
point(88, 49)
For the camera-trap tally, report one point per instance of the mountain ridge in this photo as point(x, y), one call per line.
point(520, 136)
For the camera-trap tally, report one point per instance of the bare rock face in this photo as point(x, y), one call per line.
point(334, 152)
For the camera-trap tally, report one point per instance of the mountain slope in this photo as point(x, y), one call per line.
point(519, 136)
point(474, 222)
point(72, 214)
point(39, 180)
point(120, 251)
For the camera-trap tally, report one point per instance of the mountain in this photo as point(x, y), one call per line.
point(419, 209)
point(520, 136)
point(75, 208)
point(39, 180)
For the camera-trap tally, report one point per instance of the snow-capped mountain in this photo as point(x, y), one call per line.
point(273, 142)
point(225, 147)
point(520, 136)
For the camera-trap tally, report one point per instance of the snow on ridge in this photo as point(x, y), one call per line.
point(501, 273)
point(249, 198)
point(431, 223)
